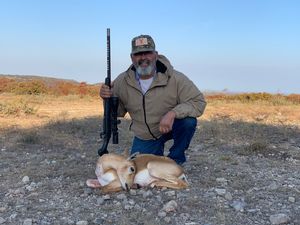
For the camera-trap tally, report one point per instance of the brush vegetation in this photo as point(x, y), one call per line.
point(38, 100)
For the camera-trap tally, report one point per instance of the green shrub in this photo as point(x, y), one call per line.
point(34, 87)
point(16, 108)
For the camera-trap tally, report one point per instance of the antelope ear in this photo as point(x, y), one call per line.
point(133, 156)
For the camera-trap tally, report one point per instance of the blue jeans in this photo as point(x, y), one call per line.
point(182, 133)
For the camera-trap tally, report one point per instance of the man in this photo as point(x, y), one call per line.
point(163, 103)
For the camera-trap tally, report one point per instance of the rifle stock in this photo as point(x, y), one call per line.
point(110, 120)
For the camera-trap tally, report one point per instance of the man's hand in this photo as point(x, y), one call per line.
point(105, 91)
point(166, 122)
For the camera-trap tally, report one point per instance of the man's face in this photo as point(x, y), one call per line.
point(144, 62)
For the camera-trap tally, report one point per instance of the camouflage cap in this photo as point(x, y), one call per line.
point(142, 43)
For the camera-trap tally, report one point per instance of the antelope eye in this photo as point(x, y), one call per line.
point(132, 169)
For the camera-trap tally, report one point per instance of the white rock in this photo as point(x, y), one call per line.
point(131, 202)
point(292, 199)
point(221, 180)
point(128, 207)
point(280, 218)
point(121, 196)
point(162, 214)
point(167, 219)
point(132, 192)
point(273, 186)
point(238, 205)
point(27, 222)
point(13, 216)
point(82, 222)
point(170, 206)
point(106, 197)
point(170, 193)
point(220, 191)
point(2, 209)
point(25, 179)
point(147, 194)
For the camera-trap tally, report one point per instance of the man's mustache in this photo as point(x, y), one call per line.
point(142, 61)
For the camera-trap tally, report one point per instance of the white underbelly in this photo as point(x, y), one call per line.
point(143, 178)
point(106, 178)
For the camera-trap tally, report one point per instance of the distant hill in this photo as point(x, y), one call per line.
point(33, 84)
point(47, 80)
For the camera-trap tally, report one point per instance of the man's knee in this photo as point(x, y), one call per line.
point(188, 123)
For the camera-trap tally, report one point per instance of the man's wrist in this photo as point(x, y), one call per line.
point(172, 113)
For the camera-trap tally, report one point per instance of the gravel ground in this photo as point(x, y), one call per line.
point(239, 173)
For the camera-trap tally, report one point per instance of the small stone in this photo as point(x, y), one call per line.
point(121, 196)
point(170, 193)
point(2, 209)
point(128, 207)
point(131, 201)
point(162, 214)
point(220, 191)
point(280, 218)
point(82, 222)
point(2, 221)
point(100, 201)
point(71, 222)
point(228, 196)
point(13, 216)
point(273, 186)
point(185, 216)
point(98, 221)
point(132, 192)
point(170, 206)
point(27, 222)
point(221, 180)
point(238, 205)
point(147, 194)
point(167, 219)
point(87, 191)
point(158, 197)
point(25, 179)
point(106, 197)
point(292, 199)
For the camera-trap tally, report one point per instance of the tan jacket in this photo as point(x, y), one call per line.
point(170, 90)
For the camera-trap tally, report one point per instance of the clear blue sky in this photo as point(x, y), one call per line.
point(239, 45)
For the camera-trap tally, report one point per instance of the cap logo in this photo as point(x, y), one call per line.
point(141, 42)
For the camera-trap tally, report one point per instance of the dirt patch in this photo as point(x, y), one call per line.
point(239, 173)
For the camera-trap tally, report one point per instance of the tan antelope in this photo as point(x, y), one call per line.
point(158, 171)
point(114, 173)
point(138, 170)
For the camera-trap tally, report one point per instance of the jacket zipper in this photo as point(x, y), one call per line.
point(144, 110)
point(145, 118)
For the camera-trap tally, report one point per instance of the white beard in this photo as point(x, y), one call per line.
point(144, 71)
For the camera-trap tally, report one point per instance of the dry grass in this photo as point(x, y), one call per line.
point(26, 111)
point(259, 112)
point(47, 109)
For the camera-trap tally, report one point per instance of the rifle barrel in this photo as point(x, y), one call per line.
point(108, 78)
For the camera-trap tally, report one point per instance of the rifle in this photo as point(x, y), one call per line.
point(110, 120)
